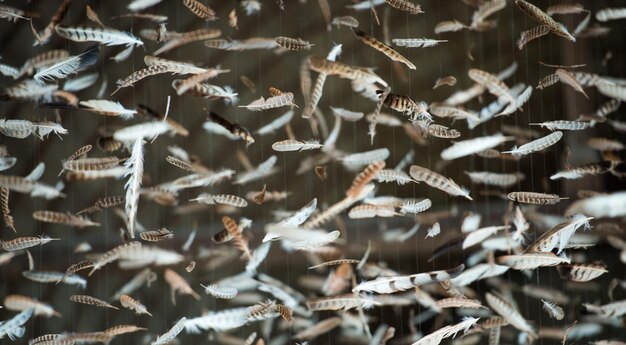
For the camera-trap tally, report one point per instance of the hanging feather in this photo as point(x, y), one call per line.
point(553, 310)
point(506, 310)
point(469, 147)
point(529, 261)
point(559, 236)
point(536, 145)
point(105, 36)
point(437, 336)
point(296, 145)
point(135, 173)
point(417, 42)
point(581, 272)
point(108, 108)
point(387, 285)
point(69, 66)
point(381, 47)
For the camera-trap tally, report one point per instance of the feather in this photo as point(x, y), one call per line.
point(553, 310)
point(559, 236)
point(495, 179)
point(175, 66)
point(438, 181)
point(81, 82)
point(397, 176)
point(415, 207)
point(529, 261)
point(318, 329)
point(347, 115)
point(436, 337)
point(221, 292)
point(138, 5)
point(135, 172)
point(276, 123)
point(296, 145)
point(477, 236)
point(607, 14)
point(293, 44)
point(506, 310)
point(146, 130)
point(106, 36)
point(264, 169)
point(387, 285)
point(371, 211)
point(200, 10)
point(188, 37)
point(355, 161)
point(536, 145)
point(534, 198)
point(14, 327)
point(381, 47)
point(169, 336)
point(544, 19)
point(341, 302)
point(416, 42)
point(217, 320)
point(613, 310)
point(472, 146)
point(108, 108)
point(563, 125)
point(282, 100)
point(581, 272)
point(72, 65)
point(300, 216)
point(258, 256)
point(132, 304)
point(449, 26)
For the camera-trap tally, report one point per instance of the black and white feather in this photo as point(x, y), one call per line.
point(71, 65)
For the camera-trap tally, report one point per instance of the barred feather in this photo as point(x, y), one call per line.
point(105, 36)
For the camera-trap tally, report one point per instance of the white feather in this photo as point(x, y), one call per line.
point(169, 336)
point(108, 107)
point(472, 146)
point(135, 172)
point(81, 82)
point(147, 130)
point(138, 5)
point(416, 42)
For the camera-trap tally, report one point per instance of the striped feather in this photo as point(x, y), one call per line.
point(72, 65)
point(105, 36)
point(438, 181)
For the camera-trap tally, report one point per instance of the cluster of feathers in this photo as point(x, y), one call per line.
point(472, 301)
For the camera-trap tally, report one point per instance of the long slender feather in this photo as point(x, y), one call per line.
point(106, 36)
point(135, 172)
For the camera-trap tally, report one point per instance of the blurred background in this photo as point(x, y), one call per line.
point(492, 51)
